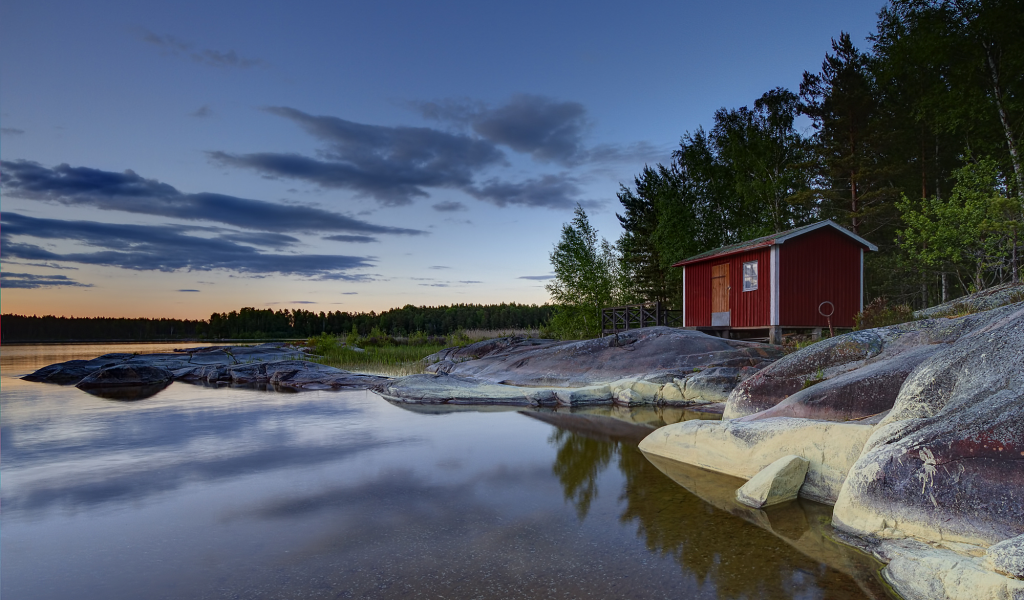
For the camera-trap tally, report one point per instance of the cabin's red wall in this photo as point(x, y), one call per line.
point(698, 295)
point(817, 266)
point(749, 309)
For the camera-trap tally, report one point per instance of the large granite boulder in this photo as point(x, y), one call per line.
point(850, 376)
point(947, 464)
point(674, 353)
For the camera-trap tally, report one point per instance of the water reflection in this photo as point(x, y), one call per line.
point(228, 492)
point(691, 516)
point(129, 393)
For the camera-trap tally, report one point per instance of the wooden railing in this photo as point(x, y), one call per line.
point(635, 316)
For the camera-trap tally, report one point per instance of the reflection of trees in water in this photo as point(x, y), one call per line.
point(579, 461)
point(740, 559)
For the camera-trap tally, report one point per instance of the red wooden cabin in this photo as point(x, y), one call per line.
point(777, 282)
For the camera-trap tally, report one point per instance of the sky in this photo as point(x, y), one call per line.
point(175, 159)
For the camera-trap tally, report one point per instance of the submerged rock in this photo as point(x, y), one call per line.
point(777, 483)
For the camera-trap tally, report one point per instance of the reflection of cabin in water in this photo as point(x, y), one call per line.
point(776, 282)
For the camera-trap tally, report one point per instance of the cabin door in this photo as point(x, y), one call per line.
point(720, 315)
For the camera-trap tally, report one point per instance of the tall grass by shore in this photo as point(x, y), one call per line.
point(382, 354)
point(393, 361)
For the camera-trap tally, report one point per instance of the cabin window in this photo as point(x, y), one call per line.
point(750, 276)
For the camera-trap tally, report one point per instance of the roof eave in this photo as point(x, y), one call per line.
point(691, 261)
point(832, 224)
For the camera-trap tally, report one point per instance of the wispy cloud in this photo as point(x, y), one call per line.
point(11, 131)
point(162, 248)
point(28, 281)
point(188, 290)
point(396, 165)
point(449, 206)
point(207, 56)
point(358, 239)
point(537, 277)
point(202, 112)
point(546, 129)
point(392, 164)
point(130, 192)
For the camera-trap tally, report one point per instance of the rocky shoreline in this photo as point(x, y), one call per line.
point(122, 376)
point(914, 432)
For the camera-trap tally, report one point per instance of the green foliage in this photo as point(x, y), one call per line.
point(889, 122)
point(586, 278)
point(393, 360)
point(879, 313)
point(971, 233)
point(743, 179)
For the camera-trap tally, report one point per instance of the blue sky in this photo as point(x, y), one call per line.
point(181, 158)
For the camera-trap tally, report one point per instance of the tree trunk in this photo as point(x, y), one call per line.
point(1004, 119)
point(945, 288)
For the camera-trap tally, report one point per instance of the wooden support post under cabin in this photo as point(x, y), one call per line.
point(775, 335)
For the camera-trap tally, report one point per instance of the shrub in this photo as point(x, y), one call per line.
point(879, 314)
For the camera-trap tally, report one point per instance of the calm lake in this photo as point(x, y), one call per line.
point(203, 492)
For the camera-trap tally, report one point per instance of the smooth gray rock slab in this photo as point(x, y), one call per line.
point(288, 373)
point(670, 352)
point(884, 358)
point(869, 390)
point(947, 463)
point(993, 297)
point(777, 483)
point(73, 371)
point(455, 389)
point(112, 375)
point(711, 385)
point(126, 374)
point(1007, 557)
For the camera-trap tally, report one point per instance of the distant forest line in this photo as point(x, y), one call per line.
point(253, 323)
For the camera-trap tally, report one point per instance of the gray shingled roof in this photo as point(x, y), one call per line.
point(769, 240)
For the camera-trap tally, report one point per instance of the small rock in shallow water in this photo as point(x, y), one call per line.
point(778, 482)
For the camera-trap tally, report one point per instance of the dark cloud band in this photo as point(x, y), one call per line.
point(28, 281)
point(162, 248)
point(130, 192)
